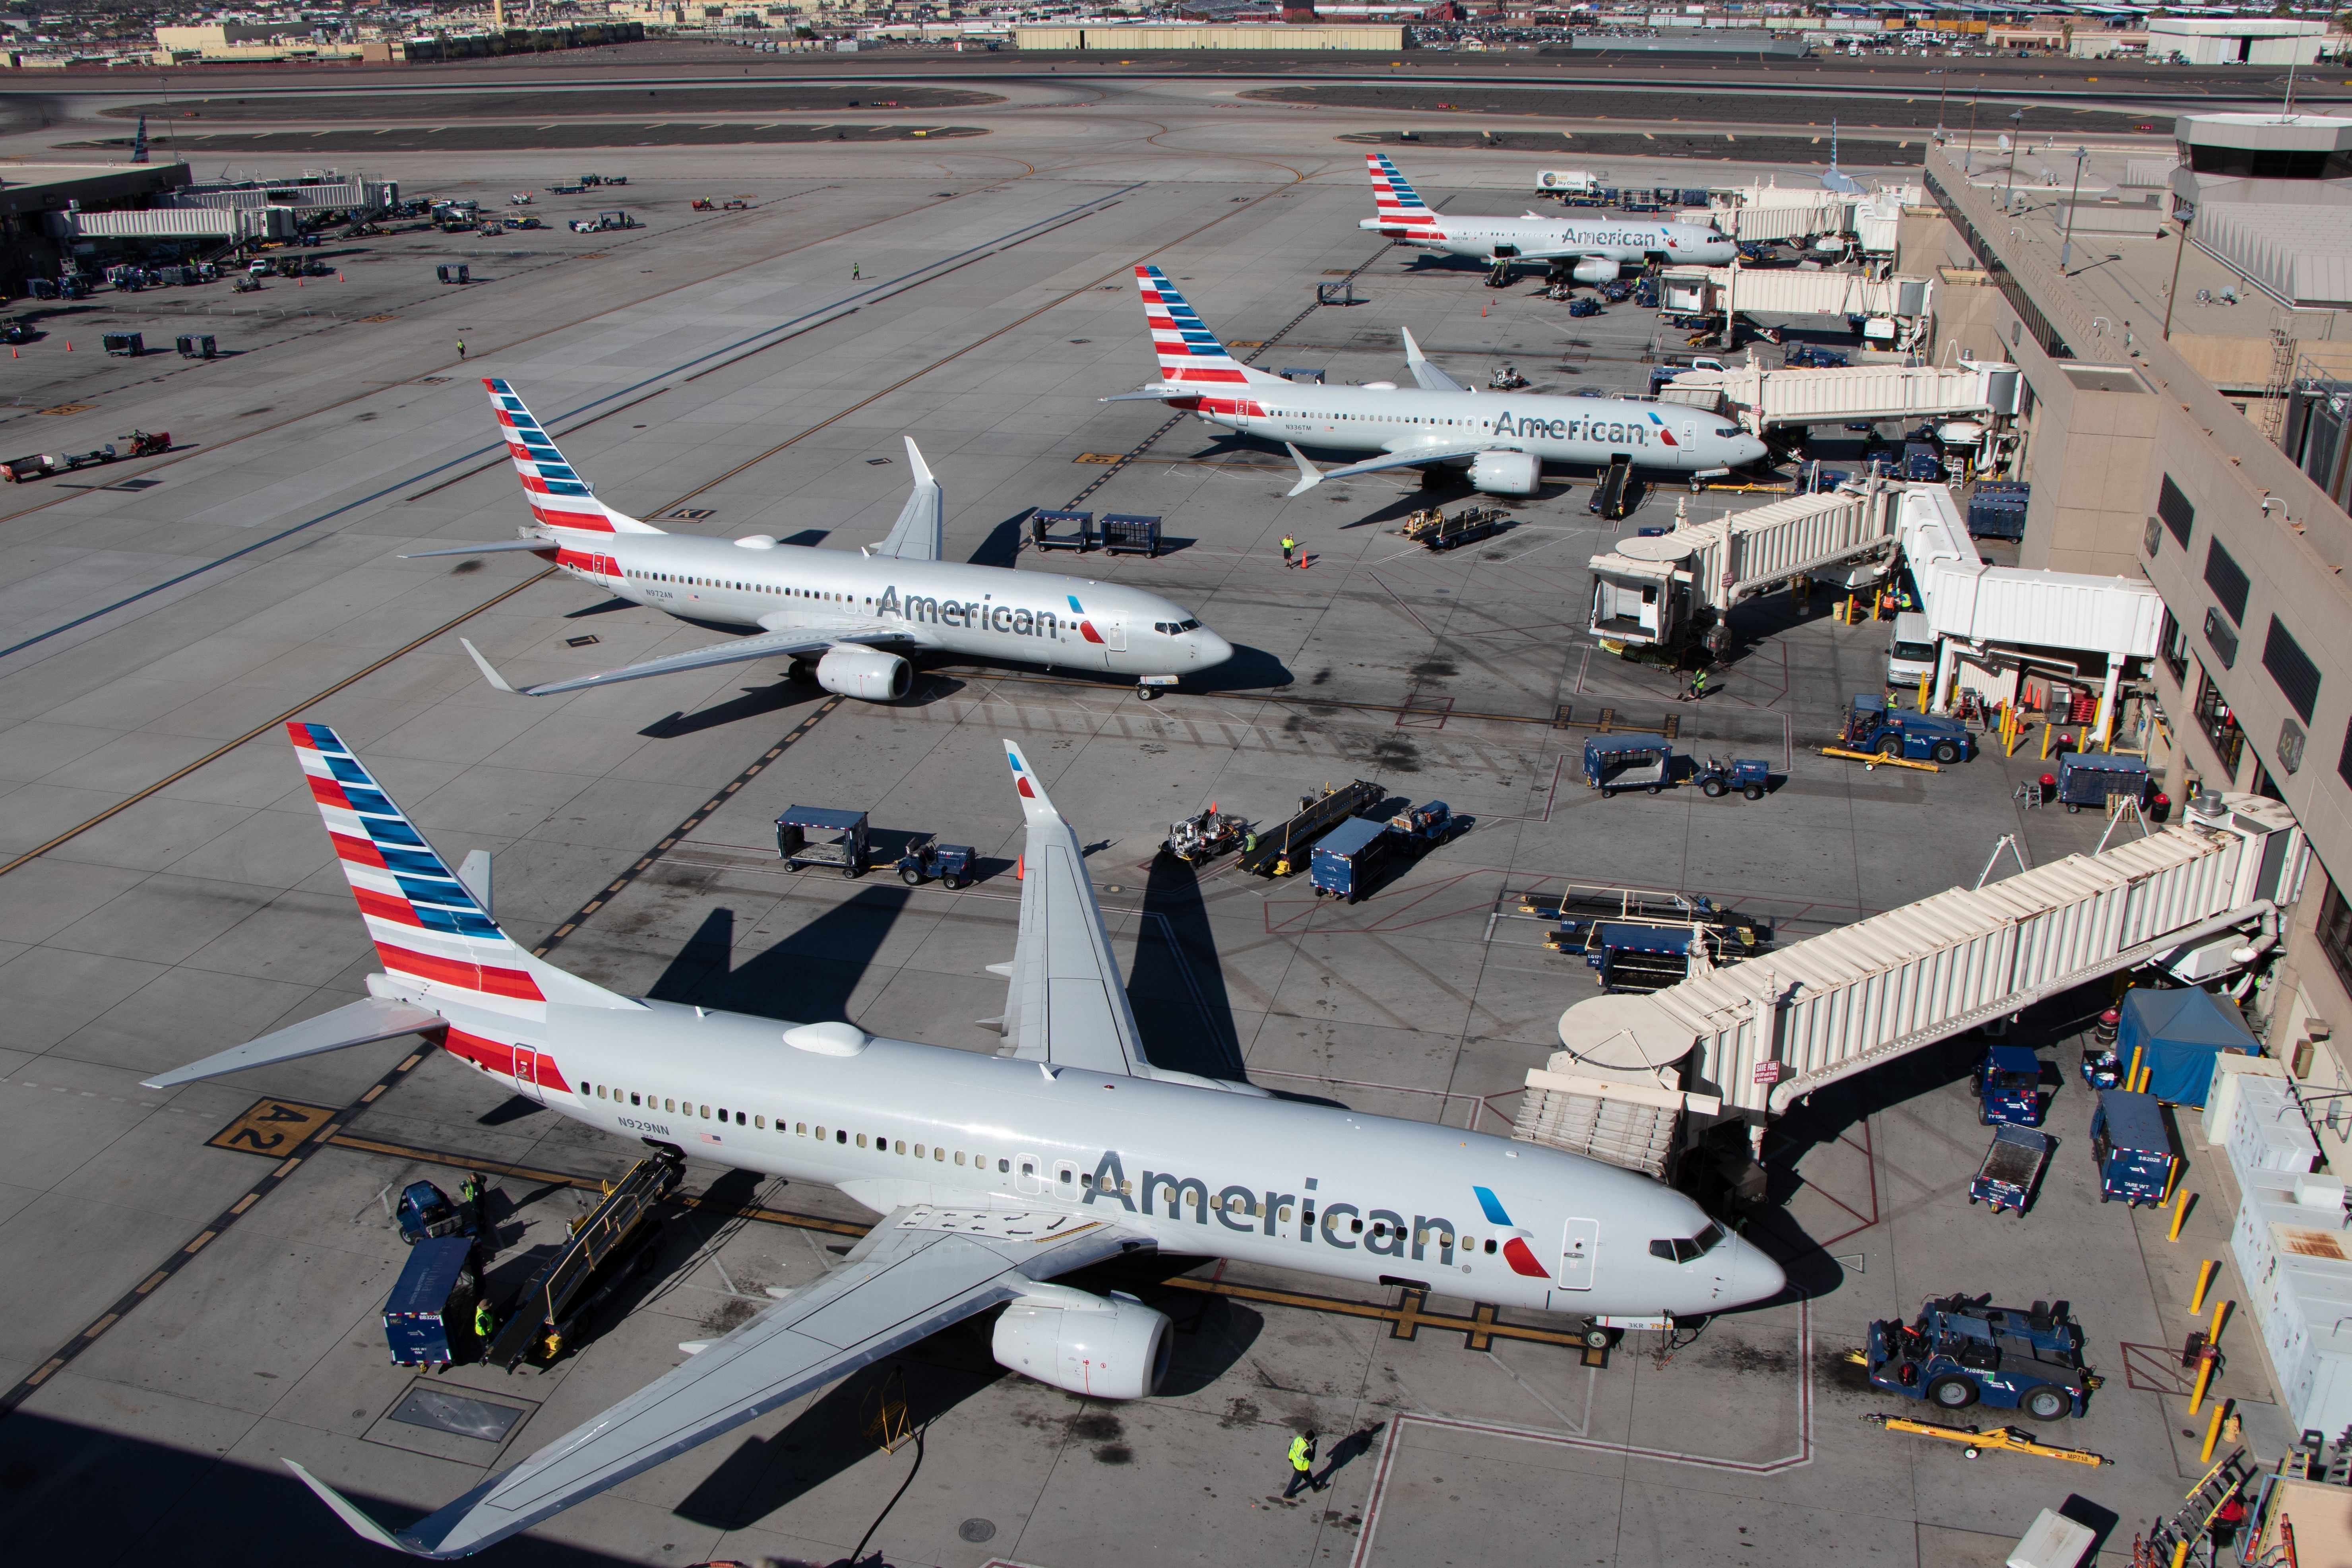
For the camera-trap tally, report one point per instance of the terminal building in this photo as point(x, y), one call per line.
point(2188, 399)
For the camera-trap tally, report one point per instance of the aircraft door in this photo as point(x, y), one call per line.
point(1114, 631)
point(526, 1072)
point(1065, 1181)
point(1025, 1174)
point(1577, 1252)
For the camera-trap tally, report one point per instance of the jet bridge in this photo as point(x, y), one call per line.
point(1761, 399)
point(1655, 590)
point(1763, 1033)
point(1790, 291)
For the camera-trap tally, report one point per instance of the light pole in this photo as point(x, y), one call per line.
point(1969, 158)
point(2066, 250)
point(1940, 91)
point(2017, 129)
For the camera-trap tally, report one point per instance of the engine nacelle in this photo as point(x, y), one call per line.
point(866, 672)
point(1105, 1347)
point(1505, 473)
point(1594, 269)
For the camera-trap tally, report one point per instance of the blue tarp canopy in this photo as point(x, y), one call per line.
point(2179, 1033)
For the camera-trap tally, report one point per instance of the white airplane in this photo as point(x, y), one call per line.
point(993, 1173)
point(1591, 251)
point(1503, 440)
point(834, 613)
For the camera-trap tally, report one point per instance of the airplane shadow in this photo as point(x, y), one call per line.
point(602, 608)
point(1178, 986)
point(811, 537)
point(813, 971)
point(1003, 545)
point(64, 1483)
point(1250, 669)
point(756, 702)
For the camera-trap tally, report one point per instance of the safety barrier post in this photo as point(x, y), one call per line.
point(2221, 1316)
point(2213, 1432)
point(2180, 1214)
point(1923, 692)
point(2204, 1283)
point(2131, 1078)
point(2206, 1362)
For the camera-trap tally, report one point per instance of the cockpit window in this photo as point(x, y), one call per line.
point(1726, 429)
point(1683, 1249)
point(1175, 628)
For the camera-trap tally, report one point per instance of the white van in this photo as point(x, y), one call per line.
point(1911, 657)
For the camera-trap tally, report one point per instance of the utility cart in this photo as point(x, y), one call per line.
point(1438, 533)
point(1041, 534)
point(1960, 1350)
point(430, 1314)
point(2093, 778)
point(2008, 1085)
point(951, 863)
point(1423, 827)
point(1612, 763)
point(2011, 1168)
point(819, 836)
point(1204, 836)
point(429, 1213)
point(1347, 858)
point(1127, 534)
point(2133, 1148)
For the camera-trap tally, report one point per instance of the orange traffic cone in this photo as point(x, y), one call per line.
point(69, 345)
point(1020, 868)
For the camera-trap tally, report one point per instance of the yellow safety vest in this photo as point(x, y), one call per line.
point(1302, 1457)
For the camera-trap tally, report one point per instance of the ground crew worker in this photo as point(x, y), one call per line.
point(1249, 842)
point(854, 271)
point(461, 348)
point(1302, 1465)
point(2227, 1520)
point(486, 1321)
point(1697, 686)
point(1290, 546)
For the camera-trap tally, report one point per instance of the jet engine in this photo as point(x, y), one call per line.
point(1110, 1347)
point(866, 672)
point(1594, 269)
point(1505, 473)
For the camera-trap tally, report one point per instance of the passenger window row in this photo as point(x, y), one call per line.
point(879, 1142)
point(691, 580)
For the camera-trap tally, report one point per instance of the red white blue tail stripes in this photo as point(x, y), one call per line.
point(1394, 198)
point(559, 497)
point(1189, 353)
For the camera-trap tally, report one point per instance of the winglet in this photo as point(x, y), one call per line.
point(1035, 804)
point(1309, 475)
point(361, 1525)
point(490, 671)
point(1412, 354)
point(914, 460)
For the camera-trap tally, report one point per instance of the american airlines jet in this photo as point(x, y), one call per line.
point(1590, 250)
point(993, 1174)
point(1503, 440)
point(837, 613)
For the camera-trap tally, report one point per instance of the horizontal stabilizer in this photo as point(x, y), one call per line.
point(361, 1525)
point(359, 1024)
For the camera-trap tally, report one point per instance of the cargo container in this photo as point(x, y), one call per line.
point(2092, 778)
point(429, 1316)
point(2132, 1148)
point(1345, 858)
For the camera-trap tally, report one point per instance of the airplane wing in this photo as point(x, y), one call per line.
point(1425, 375)
point(1068, 1003)
point(1309, 475)
point(919, 1272)
point(790, 643)
point(919, 534)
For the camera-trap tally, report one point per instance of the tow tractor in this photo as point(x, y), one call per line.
point(1204, 836)
point(429, 1213)
point(41, 464)
point(1423, 827)
point(1961, 1350)
point(2009, 1088)
point(951, 863)
point(1506, 378)
point(1874, 731)
point(1715, 778)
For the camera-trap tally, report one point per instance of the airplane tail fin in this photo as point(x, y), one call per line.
point(1189, 353)
point(430, 932)
point(559, 497)
point(1393, 197)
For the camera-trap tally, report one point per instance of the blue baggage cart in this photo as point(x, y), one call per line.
point(2011, 1169)
point(2133, 1148)
point(432, 1303)
point(2092, 778)
point(1612, 763)
point(1344, 858)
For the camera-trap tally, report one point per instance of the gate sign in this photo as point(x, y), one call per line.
point(1769, 1072)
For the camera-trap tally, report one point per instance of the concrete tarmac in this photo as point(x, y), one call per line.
point(183, 1308)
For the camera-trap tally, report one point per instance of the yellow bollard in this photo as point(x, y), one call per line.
point(2045, 740)
point(2213, 1432)
point(1923, 693)
point(2221, 1316)
point(2204, 1382)
point(1845, 616)
point(2181, 1554)
point(2204, 1283)
point(2180, 1214)
point(2131, 1078)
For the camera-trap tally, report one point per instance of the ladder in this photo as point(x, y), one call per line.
point(2168, 1541)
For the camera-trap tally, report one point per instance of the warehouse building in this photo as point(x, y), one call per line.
point(1126, 37)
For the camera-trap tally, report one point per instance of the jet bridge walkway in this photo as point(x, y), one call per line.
point(1758, 1035)
point(1761, 399)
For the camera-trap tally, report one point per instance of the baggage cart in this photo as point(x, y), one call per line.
point(2011, 1167)
point(820, 836)
point(198, 345)
point(1043, 523)
point(129, 345)
point(2093, 778)
point(1126, 534)
point(453, 272)
point(1612, 763)
point(430, 1312)
point(1344, 861)
point(2132, 1147)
